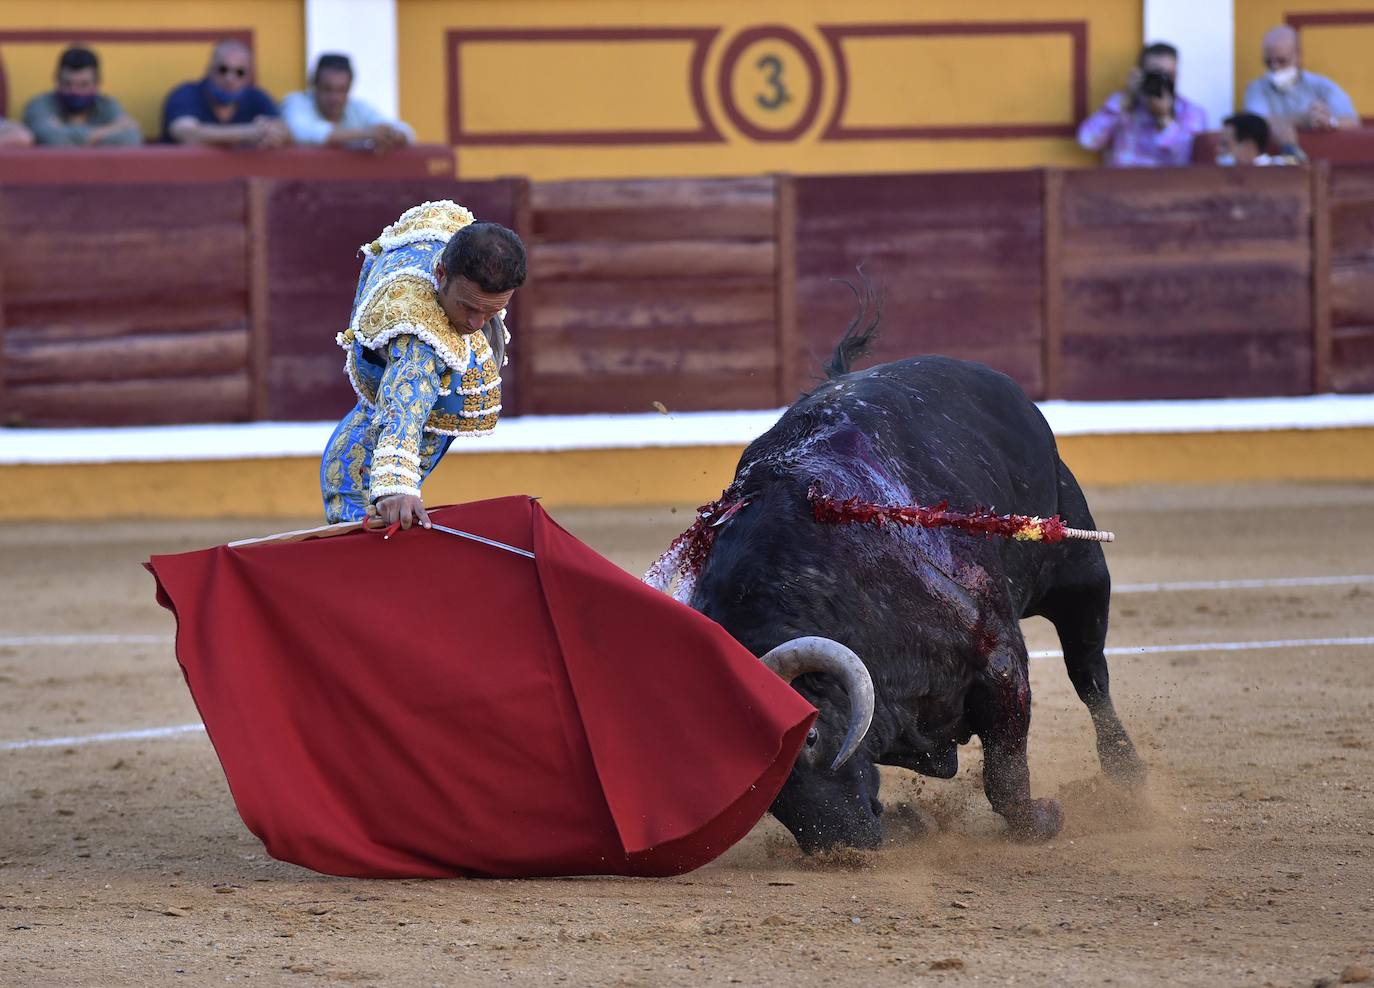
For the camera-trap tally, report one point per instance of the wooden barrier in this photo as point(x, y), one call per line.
point(1185, 283)
point(957, 257)
point(124, 304)
point(1351, 273)
point(651, 291)
point(146, 302)
point(163, 164)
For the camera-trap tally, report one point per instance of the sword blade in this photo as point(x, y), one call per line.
point(484, 540)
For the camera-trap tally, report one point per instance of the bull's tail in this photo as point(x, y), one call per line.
point(863, 328)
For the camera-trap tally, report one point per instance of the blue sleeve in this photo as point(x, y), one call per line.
point(181, 102)
point(1254, 101)
point(1337, 101)
point(261, 104)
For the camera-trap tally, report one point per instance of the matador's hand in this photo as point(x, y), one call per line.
point(403, 508)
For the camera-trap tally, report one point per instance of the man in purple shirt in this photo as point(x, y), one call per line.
point(224, 108)
point(1146, 124)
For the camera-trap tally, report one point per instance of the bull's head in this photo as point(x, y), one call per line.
point(829, 800)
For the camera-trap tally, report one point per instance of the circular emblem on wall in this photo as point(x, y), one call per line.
point(770, 83)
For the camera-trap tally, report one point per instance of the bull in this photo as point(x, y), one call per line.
point(912, 633)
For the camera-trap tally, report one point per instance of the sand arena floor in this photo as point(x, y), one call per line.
point(1251, 861)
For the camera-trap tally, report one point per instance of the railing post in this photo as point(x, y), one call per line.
point(1321, 276)
point(785, 245)
point(1052, 281)
point(259, 318)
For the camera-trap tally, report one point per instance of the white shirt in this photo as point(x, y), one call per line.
point(302, 116)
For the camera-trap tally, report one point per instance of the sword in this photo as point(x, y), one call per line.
point(342, 528)
point(484, 540)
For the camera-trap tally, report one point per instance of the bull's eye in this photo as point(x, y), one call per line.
point(812, 736)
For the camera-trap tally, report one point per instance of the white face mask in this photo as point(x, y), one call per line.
point(1284, 78)
point(1226, 159)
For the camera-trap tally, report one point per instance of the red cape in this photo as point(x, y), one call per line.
point(428, 706)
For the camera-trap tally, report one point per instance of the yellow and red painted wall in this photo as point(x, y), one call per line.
point(655, 88)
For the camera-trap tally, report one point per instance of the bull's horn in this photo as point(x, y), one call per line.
point(813, 654)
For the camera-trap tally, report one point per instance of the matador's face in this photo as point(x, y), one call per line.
point(466, 305)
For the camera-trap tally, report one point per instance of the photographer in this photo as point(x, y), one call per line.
point(1146, 124)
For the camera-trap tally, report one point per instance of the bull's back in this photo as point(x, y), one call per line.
point(955, 430)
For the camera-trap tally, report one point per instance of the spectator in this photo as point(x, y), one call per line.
point(224, 108)
point(1146, 124)
point(77, 113)
point(325, 115)
point(1290, 97)
point(1245, 141)
point(13, 135)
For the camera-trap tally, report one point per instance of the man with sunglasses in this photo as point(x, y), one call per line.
point(224, 109)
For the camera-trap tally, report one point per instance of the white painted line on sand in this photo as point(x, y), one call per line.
point(154, 733)
point(1222, 646)
point(149, 733)
point(23, 641)
point(1258, 584)
point(1357, 579)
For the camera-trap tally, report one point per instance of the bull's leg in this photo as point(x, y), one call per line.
point(999, 713)
point(1079, 615)
point(1077, 606)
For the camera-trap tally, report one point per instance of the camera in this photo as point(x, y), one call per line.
point(1156, 84)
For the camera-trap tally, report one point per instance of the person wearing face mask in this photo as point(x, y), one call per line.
point(1146, 124)
point(77, 113)
point(224, 109)
point(1290, 97)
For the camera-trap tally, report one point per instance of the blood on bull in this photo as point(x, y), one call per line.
point(906, 639)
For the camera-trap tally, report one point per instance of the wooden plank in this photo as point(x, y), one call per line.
point(958, 257)
point(785, 255)
point(259, 192)
point(651, 305)
point(1213, 296)
point(1321, 277)
point(1352, 182)
point(750, 222)
point(524, 305)
point(1139, 212)
point(1052, 293)
point(619, 195)
point(1351, 297)
point(58, 319)
point(120, 264)
point(1352, 363)
point(1187, 365)
point(1352, 229)
point(689, 349)
point(581, 394)
point(309, 387)
point(653, 260)
point(167, 165)
point(202, 354)
point(224, 398)
point(94, 210)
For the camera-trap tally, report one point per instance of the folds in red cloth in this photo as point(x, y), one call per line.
point(431, 706)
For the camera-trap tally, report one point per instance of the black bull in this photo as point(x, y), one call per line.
point(933, 613)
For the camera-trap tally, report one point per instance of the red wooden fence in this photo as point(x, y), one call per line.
point(166, 301)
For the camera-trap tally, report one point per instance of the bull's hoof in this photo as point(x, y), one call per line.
point(1040, 819)
point(1123, 766)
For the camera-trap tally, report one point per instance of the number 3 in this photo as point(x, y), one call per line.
point(773, 65)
